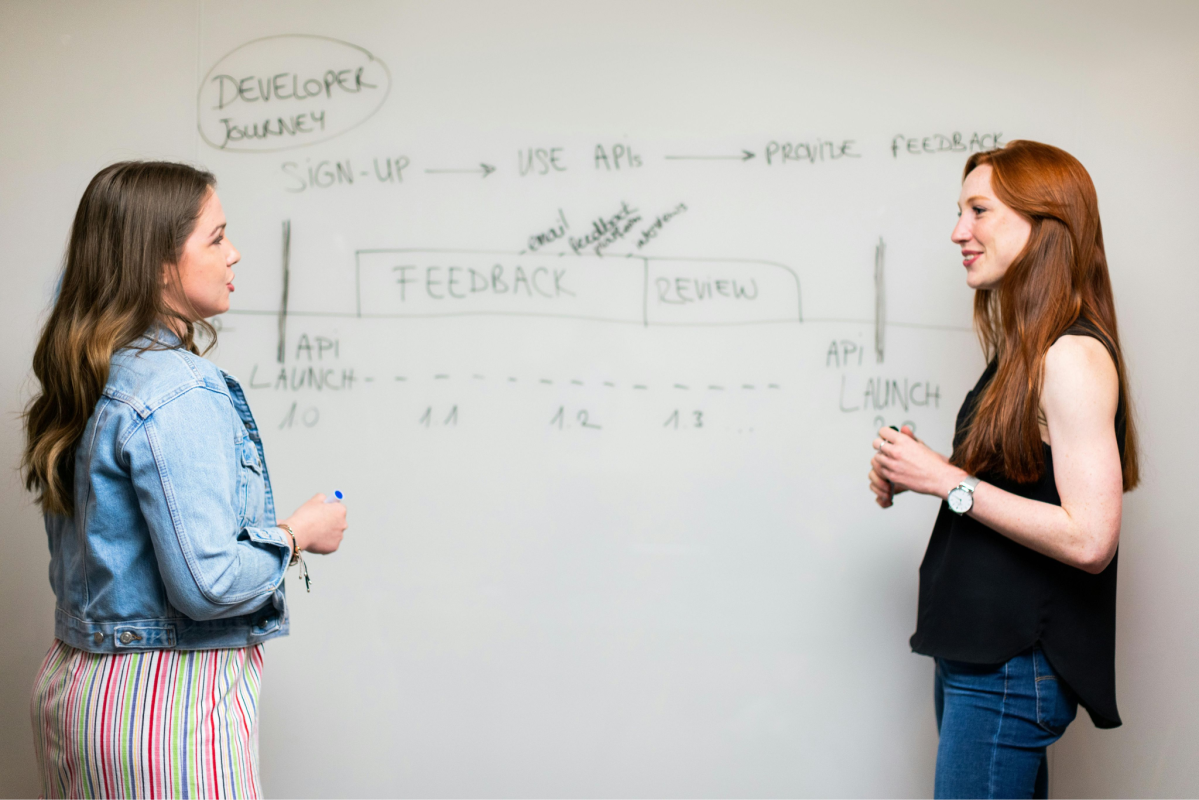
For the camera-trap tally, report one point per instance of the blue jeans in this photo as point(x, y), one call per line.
point(995, 721)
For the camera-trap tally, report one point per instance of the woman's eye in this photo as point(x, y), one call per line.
point(218, 240)
point(978, 210)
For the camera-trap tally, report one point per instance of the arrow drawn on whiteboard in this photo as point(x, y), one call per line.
point(745, 156)
point(486, 169)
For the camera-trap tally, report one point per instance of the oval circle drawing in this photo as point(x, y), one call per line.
point(287, 91)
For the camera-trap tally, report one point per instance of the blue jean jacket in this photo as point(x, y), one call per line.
point(173, 543)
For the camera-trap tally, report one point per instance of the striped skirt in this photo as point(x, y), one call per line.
point(157, 723)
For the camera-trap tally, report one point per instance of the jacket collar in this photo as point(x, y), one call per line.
point(158, 336)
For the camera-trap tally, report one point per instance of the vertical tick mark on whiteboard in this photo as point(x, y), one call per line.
point(283, 301)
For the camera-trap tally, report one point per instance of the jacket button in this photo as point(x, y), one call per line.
point(126, 637)
point(97, 637)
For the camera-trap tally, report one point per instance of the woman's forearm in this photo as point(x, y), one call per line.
point(1082, 532)
point(1049, 529)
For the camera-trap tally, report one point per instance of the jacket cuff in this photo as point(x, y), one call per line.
point(275, 536)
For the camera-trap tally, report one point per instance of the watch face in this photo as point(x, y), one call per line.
point(960, 500)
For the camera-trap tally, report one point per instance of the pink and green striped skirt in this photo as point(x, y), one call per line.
point(157, 723)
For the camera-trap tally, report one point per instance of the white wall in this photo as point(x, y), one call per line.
point(634, 610)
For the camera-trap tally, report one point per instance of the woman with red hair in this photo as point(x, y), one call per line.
point(1018, 586)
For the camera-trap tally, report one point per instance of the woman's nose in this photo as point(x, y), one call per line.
point(961, 231)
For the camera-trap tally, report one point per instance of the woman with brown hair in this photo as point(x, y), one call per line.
point(1018, 587)
point(166, 559)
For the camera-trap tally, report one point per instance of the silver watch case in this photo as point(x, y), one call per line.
point(961, 497)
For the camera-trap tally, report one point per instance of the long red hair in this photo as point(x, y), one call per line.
point(1059, 277)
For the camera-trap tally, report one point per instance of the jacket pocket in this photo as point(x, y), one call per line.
point(251, 488)
point(249, 456)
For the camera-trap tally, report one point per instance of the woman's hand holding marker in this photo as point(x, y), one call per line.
point(319, 524)
point(902, 462)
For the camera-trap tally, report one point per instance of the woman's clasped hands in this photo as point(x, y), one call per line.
point(904, 463)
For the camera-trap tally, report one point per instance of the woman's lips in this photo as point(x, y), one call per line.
point(969, 258)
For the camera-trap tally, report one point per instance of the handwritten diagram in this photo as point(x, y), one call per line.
point(632, 289)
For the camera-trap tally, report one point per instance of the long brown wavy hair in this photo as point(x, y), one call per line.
point(121, 263)
point(1058, 278)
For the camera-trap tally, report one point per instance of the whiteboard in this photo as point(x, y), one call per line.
point(592, 316)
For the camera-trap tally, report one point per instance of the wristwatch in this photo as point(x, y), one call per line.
point(961, 497)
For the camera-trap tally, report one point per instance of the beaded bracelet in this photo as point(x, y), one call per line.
point(297, 556)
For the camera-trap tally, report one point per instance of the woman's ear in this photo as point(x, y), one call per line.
point(172, 288)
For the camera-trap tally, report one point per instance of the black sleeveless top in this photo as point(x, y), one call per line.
point(985, 599)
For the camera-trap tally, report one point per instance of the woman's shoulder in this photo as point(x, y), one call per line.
point(1080, 347)
point(1083, 328)
point(1083, 346)
point(1079, 366)
point(146, 378)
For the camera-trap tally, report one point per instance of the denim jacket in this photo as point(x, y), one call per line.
point(172, 544)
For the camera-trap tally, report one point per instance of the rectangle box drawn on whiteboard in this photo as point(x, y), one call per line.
point(403, 282)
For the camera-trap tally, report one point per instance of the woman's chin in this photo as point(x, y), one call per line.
point(980, 282)
point(212, 311)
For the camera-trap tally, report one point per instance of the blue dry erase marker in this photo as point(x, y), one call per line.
point(335, 497)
